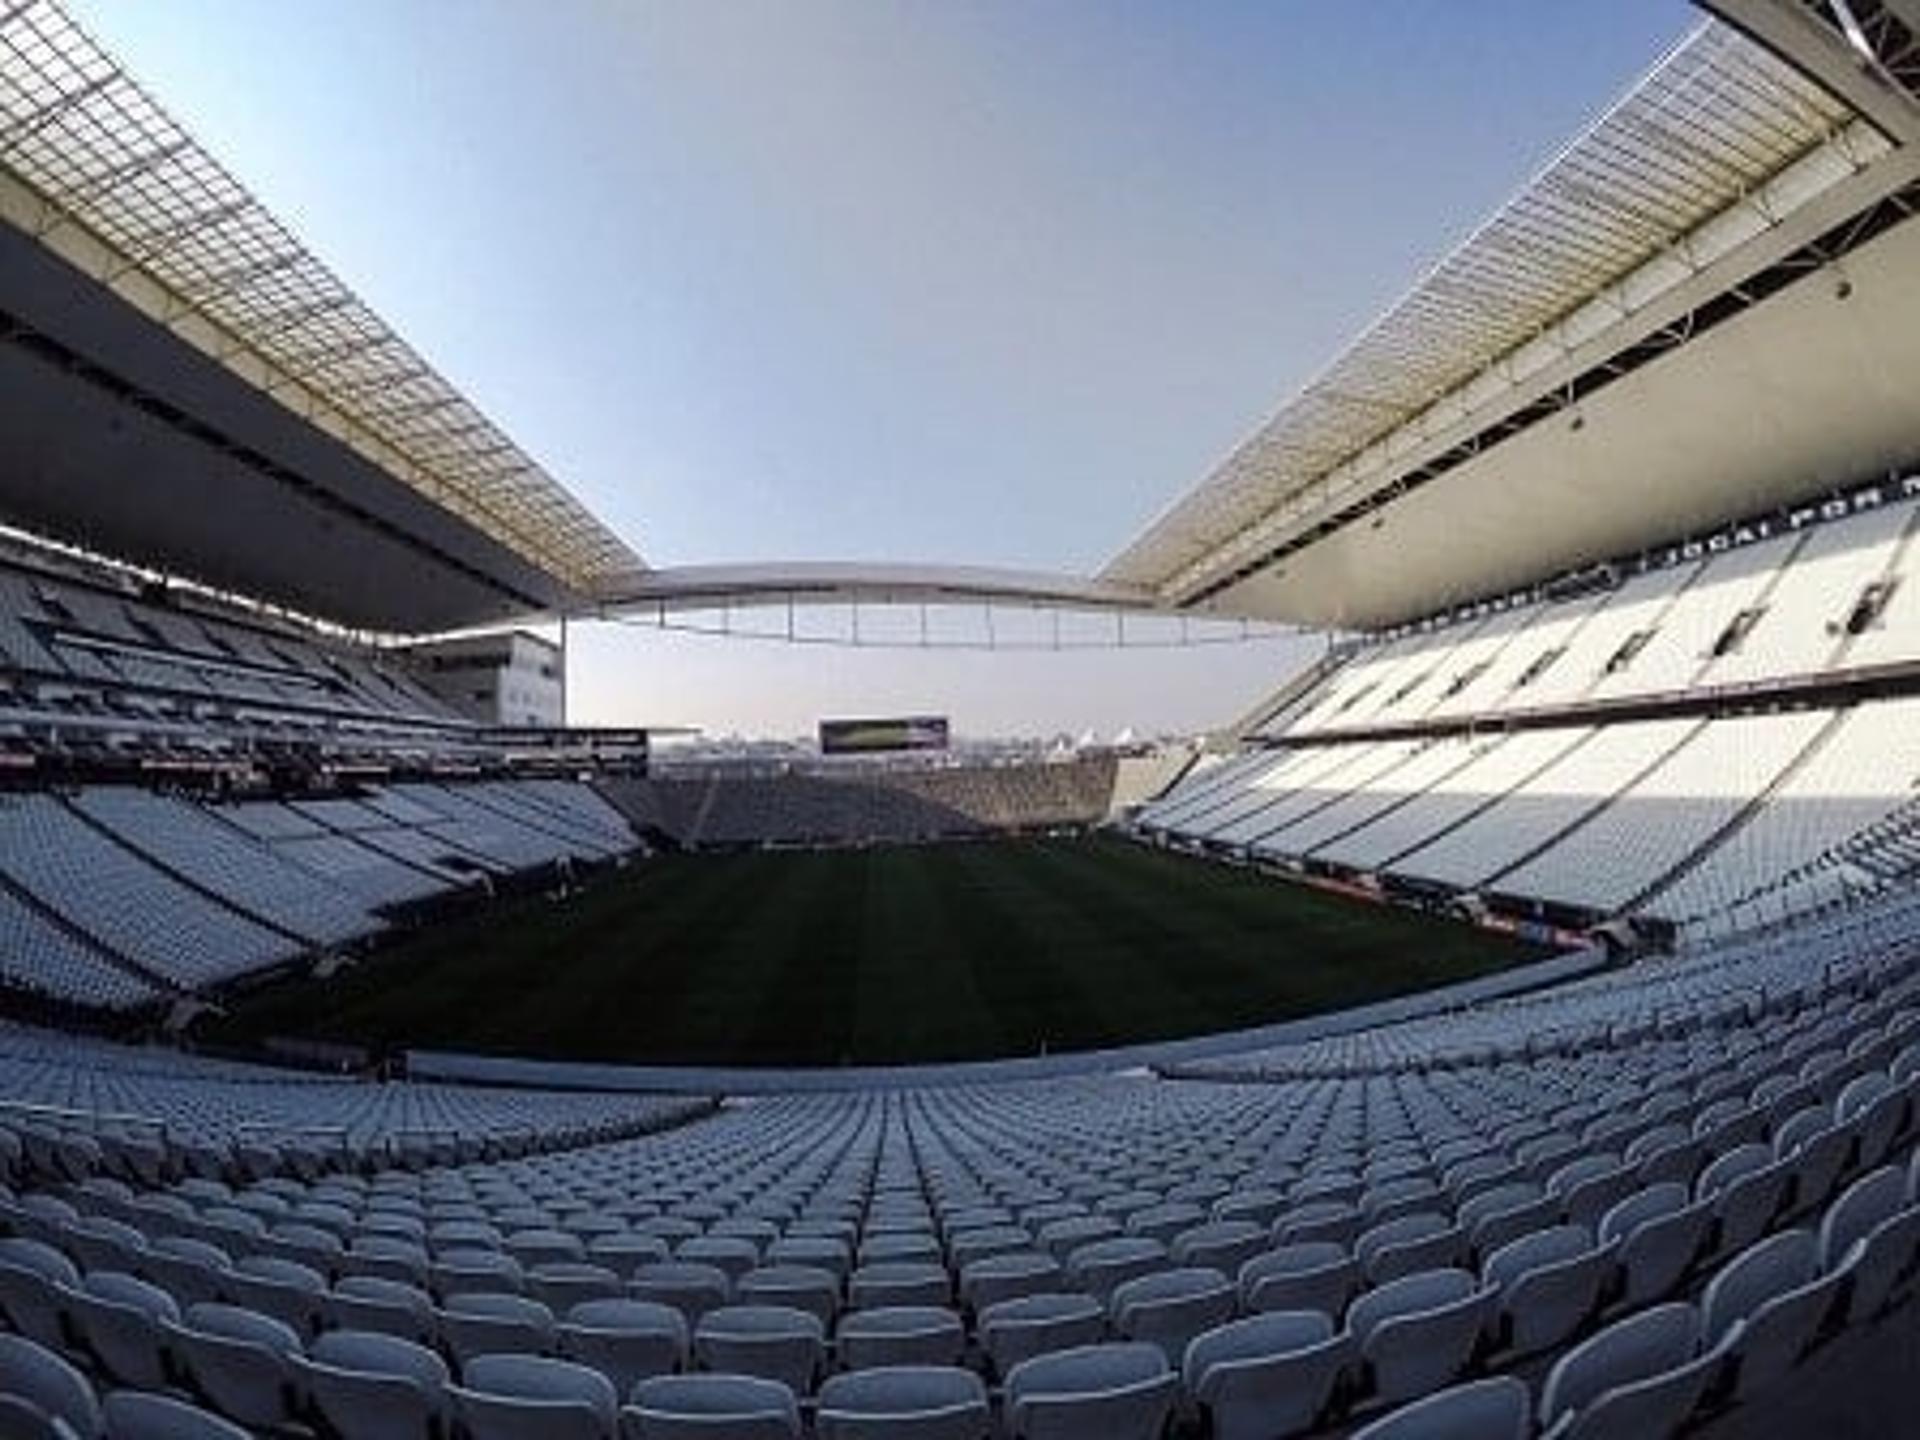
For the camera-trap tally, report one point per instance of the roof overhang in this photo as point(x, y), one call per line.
point(1798, 396)
point(125, 440)
point(195, 391)
point(1541, 399)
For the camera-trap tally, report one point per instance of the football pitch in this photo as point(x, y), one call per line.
point(881, 956)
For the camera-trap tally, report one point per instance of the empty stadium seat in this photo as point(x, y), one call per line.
point(912, 1402)
point(372, 1386)
point(523, 1397)
point(1094, 1392)
point(699, 1407)
point(1641, 1376)
point(1266, 1375)
point(1496, 1409)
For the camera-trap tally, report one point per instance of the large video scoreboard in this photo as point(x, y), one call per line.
point(899, 732)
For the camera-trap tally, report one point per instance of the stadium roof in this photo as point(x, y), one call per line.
point(1723, 146)
point(184, 385)
point(284, 442)
point(98, 174)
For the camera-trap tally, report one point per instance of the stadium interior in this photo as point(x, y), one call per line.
point(1509, 1027)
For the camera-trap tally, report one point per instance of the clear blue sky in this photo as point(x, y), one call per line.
point(971, 282)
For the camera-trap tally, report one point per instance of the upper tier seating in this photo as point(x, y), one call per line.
point(1603, 652)
point(96, 631)
point(1803, 629)
point(1823, 599)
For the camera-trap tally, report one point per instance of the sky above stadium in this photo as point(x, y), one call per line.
point(983, 283)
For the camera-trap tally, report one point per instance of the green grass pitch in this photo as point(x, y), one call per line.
point(883, 956)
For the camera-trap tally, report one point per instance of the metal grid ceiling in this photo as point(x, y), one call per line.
point(102, 156)
point(1708, 125)
point(1884, 42)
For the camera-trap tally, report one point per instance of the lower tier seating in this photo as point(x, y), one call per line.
point(114, 897)
point(1613, 1208)
point(1681, 818)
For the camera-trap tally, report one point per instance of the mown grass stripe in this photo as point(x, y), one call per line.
point(892, 955)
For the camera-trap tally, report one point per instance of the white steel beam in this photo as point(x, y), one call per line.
point(1792, 32)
